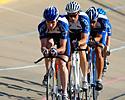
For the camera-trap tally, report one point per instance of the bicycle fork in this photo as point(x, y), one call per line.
point(76, 63)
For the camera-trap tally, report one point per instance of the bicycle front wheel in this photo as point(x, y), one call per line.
point(50, 86)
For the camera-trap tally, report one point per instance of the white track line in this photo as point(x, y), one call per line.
point(33, 66)
point(17, 35)
point(17, 68)
point(19, 12)
point(117, 49)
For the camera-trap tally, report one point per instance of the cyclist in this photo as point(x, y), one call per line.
point(53, 30)
point(108, 40)
point(98, 33)
point(79, 26)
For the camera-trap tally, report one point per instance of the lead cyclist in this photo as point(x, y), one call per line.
point(53, 30)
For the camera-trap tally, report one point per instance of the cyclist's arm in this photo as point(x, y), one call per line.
point(42, 34)
point(64, 28)
point(83, 40)
point(98, 37)
point(109, 30)
point(62, 48)
point(108, 42)
point(85, 23)
point(43, 42)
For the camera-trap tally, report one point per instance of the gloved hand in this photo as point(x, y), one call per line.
point(108, 51)
point(45, 51)
point(91, 43)
point(75, 44)
point(53, 52)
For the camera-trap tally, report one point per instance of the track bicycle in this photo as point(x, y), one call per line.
point(53, 88)
point(76, 91)
point(106, 64)
point(92, 75)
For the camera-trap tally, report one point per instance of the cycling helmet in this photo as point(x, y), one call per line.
point(51, 13)
point(72, 7)
point(101, 11)
point(92, 13)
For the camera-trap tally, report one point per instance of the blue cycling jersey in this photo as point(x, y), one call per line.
point(107, 24)
point(61, 31)
point(103, 27)
point(82, 26)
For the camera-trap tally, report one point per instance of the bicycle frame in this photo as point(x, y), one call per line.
point(93, 75)
point(75, 65)
point(53, 89)
point(75, 79)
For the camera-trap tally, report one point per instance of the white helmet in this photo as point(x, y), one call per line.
point(72, 7)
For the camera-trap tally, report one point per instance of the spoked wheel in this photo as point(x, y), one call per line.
point(71, 84)
point(50, 87)
point(95, 94)
point(92, 93)
point(73, 93)
point(84, 95)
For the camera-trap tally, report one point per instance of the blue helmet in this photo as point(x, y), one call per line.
point(92, 13)
point(101, 11)
point(51, 13)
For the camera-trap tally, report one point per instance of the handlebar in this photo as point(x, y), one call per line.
point(78, 49)
point(95, 43)
point(40, 59)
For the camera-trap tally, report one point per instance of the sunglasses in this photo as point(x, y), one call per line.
point(73, 15)
point(51, 21)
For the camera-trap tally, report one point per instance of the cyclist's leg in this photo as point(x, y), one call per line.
point(84, 66)
point(48, 43)
point(99, 56)
point(99, 66)
point(105, 59)
point(107, 51)
point(63, 74)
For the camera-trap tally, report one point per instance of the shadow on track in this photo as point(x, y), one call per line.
point(20, 88)
point(121, 13)
point(15, 97)
point(117, 97)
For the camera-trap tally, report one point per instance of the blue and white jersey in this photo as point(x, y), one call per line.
point(106, 23)
point(82, 24)
point(101, 25)
point(60, 31)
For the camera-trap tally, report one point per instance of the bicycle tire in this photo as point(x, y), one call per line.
point(95, 95)
point(72, 93)
point(50, 84)
point(82, 95)
point(71, 84)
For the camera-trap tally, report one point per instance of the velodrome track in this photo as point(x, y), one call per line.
point(20, 79)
